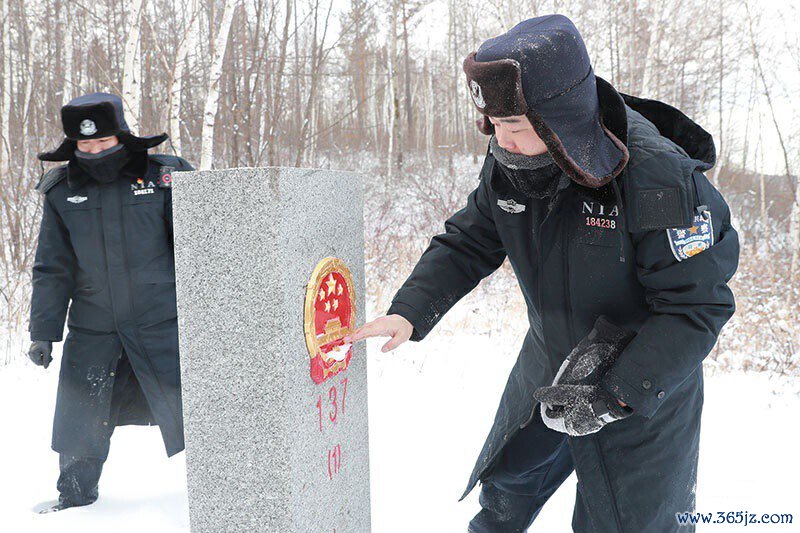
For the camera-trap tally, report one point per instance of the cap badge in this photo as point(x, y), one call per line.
point(88, 127)
point(477, 94)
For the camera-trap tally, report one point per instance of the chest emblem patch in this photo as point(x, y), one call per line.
point(511, 206)
point(599, 215)
point(686, 242)
point(140, 187)
point(77, 199)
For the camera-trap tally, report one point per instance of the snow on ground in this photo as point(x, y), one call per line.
point(431, 405)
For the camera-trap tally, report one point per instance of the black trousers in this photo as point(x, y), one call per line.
point(79, 476)
point(534, 463)
point(78, 482)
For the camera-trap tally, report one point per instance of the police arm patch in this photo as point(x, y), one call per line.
point(686, 242)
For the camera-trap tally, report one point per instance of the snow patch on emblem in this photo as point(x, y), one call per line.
point(686, 242)
point(88, 127)
point(477, 94)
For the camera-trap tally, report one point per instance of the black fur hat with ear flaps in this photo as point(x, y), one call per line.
point(540, 69)
point(93, 116)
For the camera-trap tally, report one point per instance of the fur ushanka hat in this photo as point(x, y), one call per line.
point(540, 69)
point(93, 116)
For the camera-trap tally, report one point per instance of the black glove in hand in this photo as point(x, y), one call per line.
point(39, 353)
point(580, 375)
point(583, 409)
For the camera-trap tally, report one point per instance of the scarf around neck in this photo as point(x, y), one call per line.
point(535, 176)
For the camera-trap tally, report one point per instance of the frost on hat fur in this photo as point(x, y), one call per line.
point(498, 89)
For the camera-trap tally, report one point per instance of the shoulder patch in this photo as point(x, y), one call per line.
point(686, 242)
point(51, 178)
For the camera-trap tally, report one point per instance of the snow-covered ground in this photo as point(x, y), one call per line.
point(431, 405)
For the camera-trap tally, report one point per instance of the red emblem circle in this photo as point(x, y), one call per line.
point(330, 314)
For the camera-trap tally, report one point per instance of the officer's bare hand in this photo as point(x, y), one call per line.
point(394, 326)
point(40, 351)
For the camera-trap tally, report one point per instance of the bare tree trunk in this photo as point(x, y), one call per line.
point(631, 59)
point(768, 95)
point(609, 23)
point(69, 89)
point(762, 194)
point(794, 216)
point(212, 96)
point(409, 137)
point(5, 128)
point(721, 67)
point(650, 67)
point(429, 114)
point(750, 106)
point(794, 235)
point(317, 60)
point(277, 89)
point(374, 110)
point(395, 151)
point(132, 70)
point(179, 68)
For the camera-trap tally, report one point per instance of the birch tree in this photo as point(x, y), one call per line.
point(394, 151)
point(276, 89)
point(276, 109)
point(132, 70)
point(179, 68)
point(5, 105)
point(794, 213)
point(69, 48)
point(212, 95)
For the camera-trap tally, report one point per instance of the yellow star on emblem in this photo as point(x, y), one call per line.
point(331, 283)
point(335, 304)
point(339, 290)
point(321, 294)
point(693, 230)
point(327, 307)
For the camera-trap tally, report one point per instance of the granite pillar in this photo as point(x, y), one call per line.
point(270, 446)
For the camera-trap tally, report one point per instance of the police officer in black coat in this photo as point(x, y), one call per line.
point(623, 250)
point(105, 253)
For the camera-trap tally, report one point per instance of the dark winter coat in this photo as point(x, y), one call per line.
point(634, 474)
point(106, 251)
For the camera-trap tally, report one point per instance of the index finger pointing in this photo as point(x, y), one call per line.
point(367, 330)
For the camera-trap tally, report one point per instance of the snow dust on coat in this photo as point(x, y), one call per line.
point(634, 474)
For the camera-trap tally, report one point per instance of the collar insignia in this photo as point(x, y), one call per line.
point(511, 206)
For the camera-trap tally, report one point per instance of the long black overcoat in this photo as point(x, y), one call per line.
point(634, 474)
point(105, 252)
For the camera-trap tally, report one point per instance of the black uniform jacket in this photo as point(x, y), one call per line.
point(105, 253)
point(641, 470)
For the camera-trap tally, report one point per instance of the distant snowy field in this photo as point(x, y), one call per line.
point(431, 405)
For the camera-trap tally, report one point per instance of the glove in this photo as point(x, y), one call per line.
point(584, 409)
point(579, 406)
point(39, 353)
